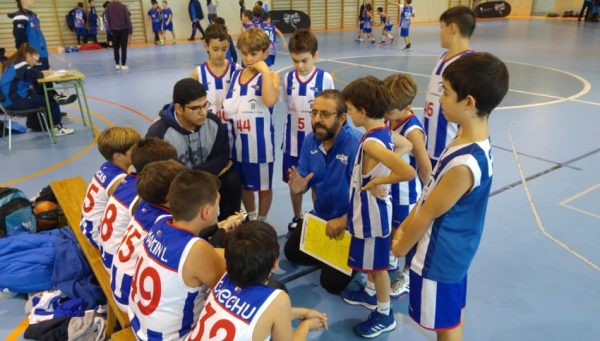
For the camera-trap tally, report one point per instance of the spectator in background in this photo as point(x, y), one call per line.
point(93, 21)
point(79, 19)
point(196, 15)
point(109, 42)
point(587, 8)
point(119, 23)
point(212, 10)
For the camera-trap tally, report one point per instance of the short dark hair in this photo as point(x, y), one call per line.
point(149, 150)
point(248, 14)
point(80, 4)
point(337, 96)
point(257, 11)
point(266, 16)
point(260, 3)
point(250, 253)
point(409, 2)
point(190, 191)
point(219, 21)
point(481, 75)
point(302, 41)
point(368, 93)
point(155, 179)
point(187, 90)
point(379, 9)
point(368, 6)
point(217, 32)
point(463, 17)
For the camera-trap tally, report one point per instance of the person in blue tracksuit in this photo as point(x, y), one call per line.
point(196, 15)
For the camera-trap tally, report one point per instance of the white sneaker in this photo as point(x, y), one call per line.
point(393, 266)
point(59, 130)
point(400, 288)
point(124, 67)
point(118, 67)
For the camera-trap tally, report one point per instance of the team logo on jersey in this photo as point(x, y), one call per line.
point(256, 87)
point(252, 104)
point(310, 104)
point(343, 158)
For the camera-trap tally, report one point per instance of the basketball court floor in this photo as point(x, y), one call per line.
point(537, 272)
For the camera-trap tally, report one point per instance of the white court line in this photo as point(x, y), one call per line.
point(578, 195)
point(535, 212)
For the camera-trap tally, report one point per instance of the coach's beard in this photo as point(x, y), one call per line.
point(329, 132)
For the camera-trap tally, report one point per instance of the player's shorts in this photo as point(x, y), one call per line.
point(270, 60)
point(361, 25)
point(370, 254)
point(168, 27)
point(288, 162)
point(93, 30)
point(388, 28)
point(399, 213)
point(256, 177)
point(367, 29)
point(81, 31)
point(404, 32)
point(436, 305)
point(156, 26)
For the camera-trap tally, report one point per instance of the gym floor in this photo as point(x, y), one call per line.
point(537, 272)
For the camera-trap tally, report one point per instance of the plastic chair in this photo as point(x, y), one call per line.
point(10, 114)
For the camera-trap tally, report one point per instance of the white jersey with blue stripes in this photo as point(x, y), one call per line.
point(368, 215)
point(406, 193)
point(216, 87)
point(439, 131)
point(254, 138)
point(299, 94)
point(406, 13)
point(233, 312)
point(446, 250)
point(161, 305)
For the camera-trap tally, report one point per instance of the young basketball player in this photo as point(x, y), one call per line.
point(444, 229)
point(215, 74)
point(114, 144)
point(369, 217)
point(175, 268)
point(242, 306)
point(152, 189)
point(405, 15)
point(457, 25)
point(388, 25)
point(247, 20)
point(167, 22)
point(124, 199)
point(249, 103)
point(155, 19)
point(272, 31)
point(368, 23)
point(401, 90)
point(301, 86)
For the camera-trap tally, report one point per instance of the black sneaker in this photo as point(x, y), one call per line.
point(293, 225)
point(62, 99)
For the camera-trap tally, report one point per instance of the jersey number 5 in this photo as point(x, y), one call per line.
point(88, 203)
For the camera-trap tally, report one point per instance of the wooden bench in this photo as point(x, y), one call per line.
point(70, 194)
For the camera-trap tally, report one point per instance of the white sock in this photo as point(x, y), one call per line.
point(370, 289)
point(252, 215)
point(261, 218)
point(383, 307)
point(390, 36)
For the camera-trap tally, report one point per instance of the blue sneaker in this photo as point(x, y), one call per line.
point(359, 297)
point(376, 324)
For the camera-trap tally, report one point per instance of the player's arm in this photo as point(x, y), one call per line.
point(452, 186)
point(281, 37)
point(402, 145)
point(194, 75)
point(417, 138)
point(280, 313)
point(270, 84)
point(203, 266)
point(400, 169)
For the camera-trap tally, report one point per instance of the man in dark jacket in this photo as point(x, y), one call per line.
point(196, 15)
point(200, 140)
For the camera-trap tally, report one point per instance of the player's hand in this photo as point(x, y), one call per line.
point(336, 227)
point(232, 221)
point(315, 324)
point(261, 67)
point(306, 313)
point(378, 191)
point(226, 168)
point(372, 186)
point(296, 181)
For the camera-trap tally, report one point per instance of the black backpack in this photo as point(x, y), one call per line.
point(16, 212)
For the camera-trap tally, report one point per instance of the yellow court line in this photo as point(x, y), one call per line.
point(536, 213)
point(63, 162)
point(18, 331)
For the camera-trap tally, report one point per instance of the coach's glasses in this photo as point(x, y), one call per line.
point(199, 107)
point(322, 113)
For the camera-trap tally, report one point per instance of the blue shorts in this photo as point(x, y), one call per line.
point(361, 25)
point(256, 177)
point(388, 28)
point(370, 254)
point(404, 32)
point(399, 213)
point(367, 30)
point(81, 31)
point(435, 305)
point(288, 162)
point(270, 60)
point(156, 26)
point(168, 27)
point(93, 30)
